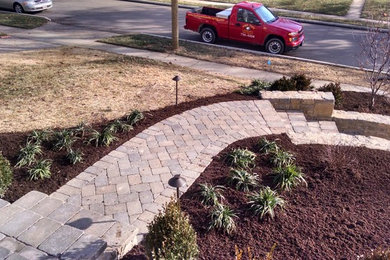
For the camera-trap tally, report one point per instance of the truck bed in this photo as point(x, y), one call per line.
point(207, 11)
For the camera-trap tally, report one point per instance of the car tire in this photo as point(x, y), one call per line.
point(18, 8)
point(275, 46)
point(208, 35)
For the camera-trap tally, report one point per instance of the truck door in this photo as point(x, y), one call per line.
point(245, 27)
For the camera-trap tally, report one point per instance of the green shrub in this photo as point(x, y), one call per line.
point(210, 195)
point(40, 170)
point(377, 254)
point(264, 202)
point(242, 180)
point(63, 139)
point(134, 117)
point(6, 175)
point(27, 154)
point(222, 218)
point(171, 235)
point(288, 177)
point(267, 147)
point(40, 136)
point(301, 82)
point(336, 91)
point(74, 156)
point(295, 83)
point(242, 158)
point(282, 158)
point(254, 88)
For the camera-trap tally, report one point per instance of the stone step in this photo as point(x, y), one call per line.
point(296, 121)
point(61, 229)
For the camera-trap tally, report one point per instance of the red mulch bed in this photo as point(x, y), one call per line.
point(357, 101)
point(62, 171)
point(343, 212)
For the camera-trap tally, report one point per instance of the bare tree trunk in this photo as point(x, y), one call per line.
point(175, 26)
point(372, 102)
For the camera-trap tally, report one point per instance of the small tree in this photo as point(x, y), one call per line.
point(171, 235)
point(375, 61)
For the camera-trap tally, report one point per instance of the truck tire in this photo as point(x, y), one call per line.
point(208, 35)
point(275, 46)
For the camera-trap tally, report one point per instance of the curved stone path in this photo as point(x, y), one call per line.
point(115, 199)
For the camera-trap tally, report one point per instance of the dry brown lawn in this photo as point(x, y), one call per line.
point(65, 86)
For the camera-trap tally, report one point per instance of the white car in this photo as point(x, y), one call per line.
point(21, 6)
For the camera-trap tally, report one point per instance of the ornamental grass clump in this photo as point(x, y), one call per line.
point(74, 156)
point(222, 218)
point(63, 139)
point(282, 159)
point(241, 158)
point(6, 175)
point(288, 177)
point(134, 117)
point(28, 153)
point(210, 195)
point(40, 170)
point(171, 235)
point(118, 126)
point(265, 202)
point(106, 137)
point(39, 137)
point(242, 180)
point(267, 147)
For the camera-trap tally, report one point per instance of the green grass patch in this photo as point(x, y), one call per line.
point(377, 10)
point(2, 34)
point(22, 21)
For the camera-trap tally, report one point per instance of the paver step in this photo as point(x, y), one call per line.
point(61, 229)
point(296, 121)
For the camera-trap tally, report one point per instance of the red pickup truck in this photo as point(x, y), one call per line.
point(246, 22)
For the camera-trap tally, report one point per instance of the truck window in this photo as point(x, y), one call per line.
point(265, 14)
point(246, 16)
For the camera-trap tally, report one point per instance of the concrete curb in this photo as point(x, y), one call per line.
point(333, 24)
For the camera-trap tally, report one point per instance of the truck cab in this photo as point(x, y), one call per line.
point(246, 22)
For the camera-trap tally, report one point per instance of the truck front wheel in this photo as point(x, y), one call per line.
point(208, 35)
point(275, 46)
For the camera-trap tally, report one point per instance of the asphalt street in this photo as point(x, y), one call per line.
point(323, 43)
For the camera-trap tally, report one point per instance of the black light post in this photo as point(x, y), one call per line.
point(177, 181)
point(177, 79)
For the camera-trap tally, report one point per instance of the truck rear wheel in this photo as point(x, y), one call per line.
point(275, 46)
point(208, 35)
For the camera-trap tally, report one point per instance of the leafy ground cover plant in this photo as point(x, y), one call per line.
point(336, 91)
point(134, 117)
point(6, 175)
point(171, 235)
point(63, 139)
point(242, 158)
point(74, 156)
point(267, 147)
point(222, 218)
point(119, 126)
point(282, 158)
point(288, 177)
point(106, 137)
point(210, 195)
point(28, 153)
point(265, 202)
point(242, 180)
point(253, 88)
point(40, 170)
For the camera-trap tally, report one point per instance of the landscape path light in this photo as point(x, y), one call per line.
point(177, 79)
point(177, 181)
